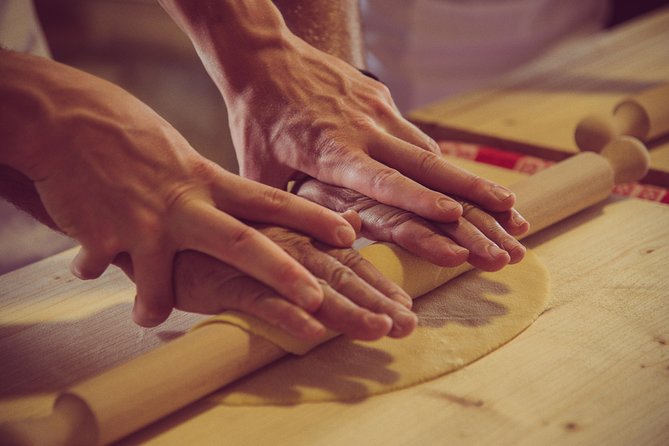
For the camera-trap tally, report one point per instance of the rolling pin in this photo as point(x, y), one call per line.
point(109, 406)
point(644, 116)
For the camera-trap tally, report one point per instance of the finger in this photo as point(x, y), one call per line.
point(483, 253)
point(512, 222)
point(431, 170)
point(368, 272)
point(493, 227)
point(386, 185)
point(203, 284)
point(407, 131)
point(353, 219)
point(389, 224)
point(263, 303)
point(257, 202)
point(416, 235)
point(348, 284)
point(153, 278)
point(332, 197)
point(206, 229)
point(341, 315)
point(90, 264)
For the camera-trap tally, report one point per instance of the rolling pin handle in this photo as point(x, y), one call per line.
point(594, 132)
point(644, 115)
point(70, 423)
point(628, 158)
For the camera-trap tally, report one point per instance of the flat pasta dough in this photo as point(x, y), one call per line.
point(459, 322)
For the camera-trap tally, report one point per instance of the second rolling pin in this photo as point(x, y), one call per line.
point(644, 116)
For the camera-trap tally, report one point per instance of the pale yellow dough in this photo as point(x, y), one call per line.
point(459, 322)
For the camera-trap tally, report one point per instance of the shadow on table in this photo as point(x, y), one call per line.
point(48, 357)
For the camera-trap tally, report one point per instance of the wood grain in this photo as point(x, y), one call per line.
point(592, 369)
point(536, 109)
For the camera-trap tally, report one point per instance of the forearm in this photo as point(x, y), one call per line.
point(332, 26)
point(24, 111)
point(229, 35)
point(235, 39)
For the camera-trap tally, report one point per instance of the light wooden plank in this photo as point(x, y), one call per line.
point(592, 370)
point(536, 109)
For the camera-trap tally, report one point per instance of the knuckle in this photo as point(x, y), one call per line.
point(287, 272)
point(478, 184)
point(380, 105)
point(428, 162)
point(275, 199)
point(106, 245)
point(395, 220)
point(383, 178)
point(350, 258)
point(203, 169)
point(148, 223)
point(495, 229)
point(340, 276)
point(296, 245)
point(252, 300)
point(240, 238)
point(479, 242)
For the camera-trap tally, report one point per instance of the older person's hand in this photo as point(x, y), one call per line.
point(359, 302)
point(487, 238)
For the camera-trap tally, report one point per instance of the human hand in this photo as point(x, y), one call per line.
point(358, 300)
point(296, 111)
point(484, 239)
point(115, 176)
point(304, 112)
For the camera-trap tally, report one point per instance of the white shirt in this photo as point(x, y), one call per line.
point(426, 50)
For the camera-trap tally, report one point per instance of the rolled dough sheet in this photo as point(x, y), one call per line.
point(459, 322)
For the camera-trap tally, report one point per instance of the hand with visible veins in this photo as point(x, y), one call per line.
point(486, 240)
point(297, 111)
point(105, 169)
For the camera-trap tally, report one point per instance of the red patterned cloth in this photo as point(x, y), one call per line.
point(532, 164)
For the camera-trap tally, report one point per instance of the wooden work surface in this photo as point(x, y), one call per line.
point(537, 108)
point(593, 369)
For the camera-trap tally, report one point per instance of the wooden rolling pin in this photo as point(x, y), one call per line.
point(644, 116)
point(116, 403)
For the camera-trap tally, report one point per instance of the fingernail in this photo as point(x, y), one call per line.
point(449, 206)
point(518, 252)
point(459, 250)
point(310, 329)
point(518, 219)
point(345, 235)
point(501, 193)
point(405, 320)
point(74, 269)
point(145, 317)
point(378, 321)
point(309, 297)
point(404, 299)
point(494, 251)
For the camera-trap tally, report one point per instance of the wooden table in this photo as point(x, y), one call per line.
point(593, 369)
point(536, 109)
